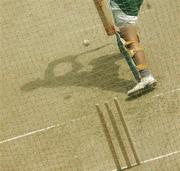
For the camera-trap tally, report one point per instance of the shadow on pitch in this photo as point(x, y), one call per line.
point(104, 74)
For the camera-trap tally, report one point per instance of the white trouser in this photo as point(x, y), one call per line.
point(121, 19)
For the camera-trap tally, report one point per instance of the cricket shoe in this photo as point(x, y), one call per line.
point(147, 83)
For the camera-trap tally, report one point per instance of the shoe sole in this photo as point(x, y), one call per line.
point(147, 88)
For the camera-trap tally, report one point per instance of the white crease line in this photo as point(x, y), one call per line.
point(162, 94)
point(160, 157)
point(54, 126)
point(41, 130)
point(152, 159)
point(29, 133)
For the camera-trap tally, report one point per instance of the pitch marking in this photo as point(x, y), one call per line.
point(29, 133)
point(169, 92)
point(153, 159)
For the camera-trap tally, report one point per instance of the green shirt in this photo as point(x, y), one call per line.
point(129, 7)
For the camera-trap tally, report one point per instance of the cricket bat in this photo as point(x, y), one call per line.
point(105, 16)
point(110, 28)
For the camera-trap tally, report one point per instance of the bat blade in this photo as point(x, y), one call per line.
point(106, 17)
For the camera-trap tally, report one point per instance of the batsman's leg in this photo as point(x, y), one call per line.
point(129, 34)
point(128, 31)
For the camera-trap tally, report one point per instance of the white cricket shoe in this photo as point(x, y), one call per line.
point(146, 83)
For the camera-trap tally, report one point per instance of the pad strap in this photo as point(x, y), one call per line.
point(132, 52)
point(142, 66)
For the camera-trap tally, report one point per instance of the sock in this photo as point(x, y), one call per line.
point(144, 73)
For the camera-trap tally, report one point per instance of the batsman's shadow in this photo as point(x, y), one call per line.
point(103, 75)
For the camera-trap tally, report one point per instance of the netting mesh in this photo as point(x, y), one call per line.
point(51, 81)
